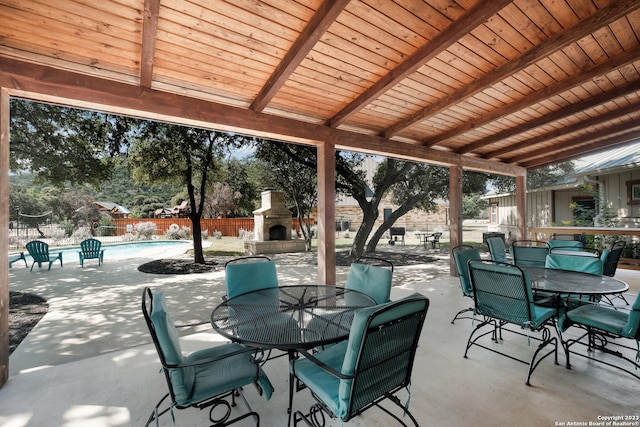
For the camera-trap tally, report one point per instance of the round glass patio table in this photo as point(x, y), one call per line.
point(572, 282)
point(289, 317)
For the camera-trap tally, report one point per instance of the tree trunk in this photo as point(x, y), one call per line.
point(198, 254)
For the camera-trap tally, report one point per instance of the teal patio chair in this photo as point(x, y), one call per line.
point(209, 378)
point(91, 249)
point(610, 258)
point(529, 253)
point(606, 330)
point(372, 276)
point(497, 249)
point(39, 251)
point(569, 245)
point(249, 273)
point(502, 294)
point(462, 255)
point(17, 257)
point(373, 365)
point(567, 260)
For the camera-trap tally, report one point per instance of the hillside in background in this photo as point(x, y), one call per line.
point(120, 189)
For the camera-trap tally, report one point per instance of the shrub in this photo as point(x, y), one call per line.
point(217, 234)
point(81, 234)
point(176, 233)
point(145, 230)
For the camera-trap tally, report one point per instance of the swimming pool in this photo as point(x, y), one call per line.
point(155, 248)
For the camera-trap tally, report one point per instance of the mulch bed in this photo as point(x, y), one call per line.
point(25, 311)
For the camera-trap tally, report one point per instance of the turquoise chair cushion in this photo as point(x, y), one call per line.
point(497, 249)
point(461, 259)
point(371, 280)
point(250, 276)
point(325, 385)
point(605, 255)
point(225, 374)
point(182, 379)
point(584, 264)
point(632, 328)
point(603, 318)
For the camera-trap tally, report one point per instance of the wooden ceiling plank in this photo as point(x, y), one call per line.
point(604, 16)
point(536, 97)
point(149, 34)
point(470, 20)
point(567, 111)
point(317, 26)
point(564, 130)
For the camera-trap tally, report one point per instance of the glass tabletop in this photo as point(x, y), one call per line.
point(289, 317)
point(572, 282)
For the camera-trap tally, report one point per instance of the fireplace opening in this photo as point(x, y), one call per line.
point(278, 232)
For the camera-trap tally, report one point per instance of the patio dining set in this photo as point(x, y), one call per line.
point(555, 285)
point(352, 348)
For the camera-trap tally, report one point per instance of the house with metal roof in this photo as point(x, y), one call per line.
point(613, 176)
point(113, 210)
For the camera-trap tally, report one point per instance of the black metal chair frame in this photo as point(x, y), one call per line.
point(464, 310)
point(213, 402)
point(435, 239)
point(362, 379)
point(372, 260)
point(497, 326)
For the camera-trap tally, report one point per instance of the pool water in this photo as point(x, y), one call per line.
point(127, 250)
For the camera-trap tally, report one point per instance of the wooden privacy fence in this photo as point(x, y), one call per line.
point(227, 226)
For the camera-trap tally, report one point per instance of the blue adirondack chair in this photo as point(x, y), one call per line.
point(39, 251)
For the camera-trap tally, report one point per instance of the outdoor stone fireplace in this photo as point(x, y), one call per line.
point(272, 227)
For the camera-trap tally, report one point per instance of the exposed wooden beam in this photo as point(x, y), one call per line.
point(546, 92)
point(64, 87)
point(583, 28)
point(149, 34)
point(586, 147)
point(4, 236)
point(552, 117)
point(593, 121)
point(445, 38)
point(318, 25)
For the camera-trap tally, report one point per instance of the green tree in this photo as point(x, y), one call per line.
point(536, 178)
point(190, 157)
point(474, 206)
point(411, 185)
point(64, 144)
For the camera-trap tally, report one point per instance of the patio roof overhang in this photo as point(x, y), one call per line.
point(501, 86)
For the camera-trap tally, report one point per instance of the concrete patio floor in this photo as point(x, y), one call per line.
point(90, 361)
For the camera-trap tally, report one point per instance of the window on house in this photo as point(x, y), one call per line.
point(386, 213)
point(493, 213)
point(633, 192)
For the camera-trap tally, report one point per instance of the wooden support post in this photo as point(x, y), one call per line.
point(4, 236)
point(455, 212)
point(521, 206)
point(326, 214)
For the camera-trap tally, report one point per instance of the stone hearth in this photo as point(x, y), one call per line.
point(272, 227)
